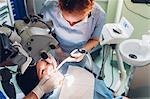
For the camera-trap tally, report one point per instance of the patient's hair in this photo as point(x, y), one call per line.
point(76, 5)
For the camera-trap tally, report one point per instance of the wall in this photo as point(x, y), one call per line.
point(140, 86)
point(140, 24)
point(110, 8)
point(103, 4)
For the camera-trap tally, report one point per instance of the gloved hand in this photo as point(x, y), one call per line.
point(50, 78)
point(48, 83)
point(78, 54)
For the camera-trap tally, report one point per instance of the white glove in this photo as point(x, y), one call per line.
point(78, 56)
point(48, 83)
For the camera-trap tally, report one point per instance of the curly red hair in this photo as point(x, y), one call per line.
point(76, 5)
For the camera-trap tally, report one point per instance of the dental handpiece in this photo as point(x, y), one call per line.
point(68, 59)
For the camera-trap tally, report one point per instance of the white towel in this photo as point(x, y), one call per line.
point(79, 84)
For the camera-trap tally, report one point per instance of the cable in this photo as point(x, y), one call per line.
point(112, 70)
point(46, 25)
point(147, 1)
point(101, 73)
point(35, 18)
point(136, 12)
point(148, 5)
point(105, 56)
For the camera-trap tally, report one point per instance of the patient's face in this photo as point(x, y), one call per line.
point(74, 17)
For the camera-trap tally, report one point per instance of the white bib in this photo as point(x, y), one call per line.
point(78, 84)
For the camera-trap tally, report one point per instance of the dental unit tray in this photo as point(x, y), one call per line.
point(114, 33)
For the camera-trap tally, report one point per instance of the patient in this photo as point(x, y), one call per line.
point(51, 79)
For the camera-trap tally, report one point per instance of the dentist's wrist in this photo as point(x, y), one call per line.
point(31, 95)
point(83, 50)
point(38, 92)
point(57, 46)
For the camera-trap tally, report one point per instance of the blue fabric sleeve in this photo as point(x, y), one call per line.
point(49, 5)
point(119, 97)
point(101, 91)
point(2, 95)
point(99, 25)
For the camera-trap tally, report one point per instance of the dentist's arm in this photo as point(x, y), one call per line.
point(92, 43)
point(49, 77)
point(31, 95)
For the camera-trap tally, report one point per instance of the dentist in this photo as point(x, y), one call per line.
point(77, 24)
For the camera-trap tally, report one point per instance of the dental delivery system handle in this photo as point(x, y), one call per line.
point(70, 58)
